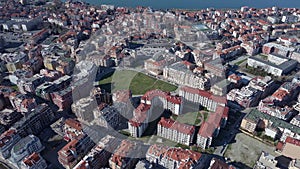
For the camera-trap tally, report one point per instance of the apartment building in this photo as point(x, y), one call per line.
point(7, 140)
point(290, 148)
point(202, 97)
point(35, 121)
point(138, 124)
point(175, 131)
point(107, 116)
point(25, 147)
point(273, 126)
point(211, 127)
point(72, 129)
point(156, 64)
point(296, 121)
point(123, 156)
point(99, 155)
point(8, 117)
point(171, 157)
point(22, 103)
point(181, 74)
point(250, 95)
point(34, 161)
point(74, 151)
point(266, 160)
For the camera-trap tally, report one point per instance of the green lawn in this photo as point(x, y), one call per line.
point(137, 82)
point(192, 118)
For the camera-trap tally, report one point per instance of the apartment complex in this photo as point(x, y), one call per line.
point(175, 131)
point(171, 157)
point(180, 73)
point(202, 98)
point(141, 115)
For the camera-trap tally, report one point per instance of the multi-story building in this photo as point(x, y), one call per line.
point(72, 129)
point(175, 131)
point(138, 124)
point(294, 164)
point(251, 94)
point(83, 109)
point(34, 161)
point(181, 74)
point(101, 96)
point(268, 105)
point(229, 53)
point(168, 102)
point(266, 160)
point(9, 117)
point(211, 127)
point(156, 64)
point(63, 98)
point(215, 67)
point(171, 157)
point(99, 155)
point(65, 65)
point(296, 121)
point(107, 116)
point(141, 115)
point(35, 121)
point(5, 92)
point(274, 64)
point(290, 148)
point(7, 140)
point(122, 158)
point(202, 98)
point(33, 64)
point(258, 120)
point(21, 102)
point(19, 74)
point(30, 84)
point(25, 147)
point(122, 101)
point(14, 61)
point(217, 163)
point(74, 151)
point(277, 48)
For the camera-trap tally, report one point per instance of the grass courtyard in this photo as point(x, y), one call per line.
point(192, 118)
point(137, 82)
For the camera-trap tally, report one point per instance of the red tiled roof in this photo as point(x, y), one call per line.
point(292, 141)
point(175, 125)
point(31, 159)
point(280, 94)
point(204, 93)
point(73, 123)
point(279, 146)
point(218, 164)
point(149, 95)
point(6, 136)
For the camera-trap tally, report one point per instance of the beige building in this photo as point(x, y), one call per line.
point(291, 148)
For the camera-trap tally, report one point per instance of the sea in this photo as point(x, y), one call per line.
point(198, 4)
